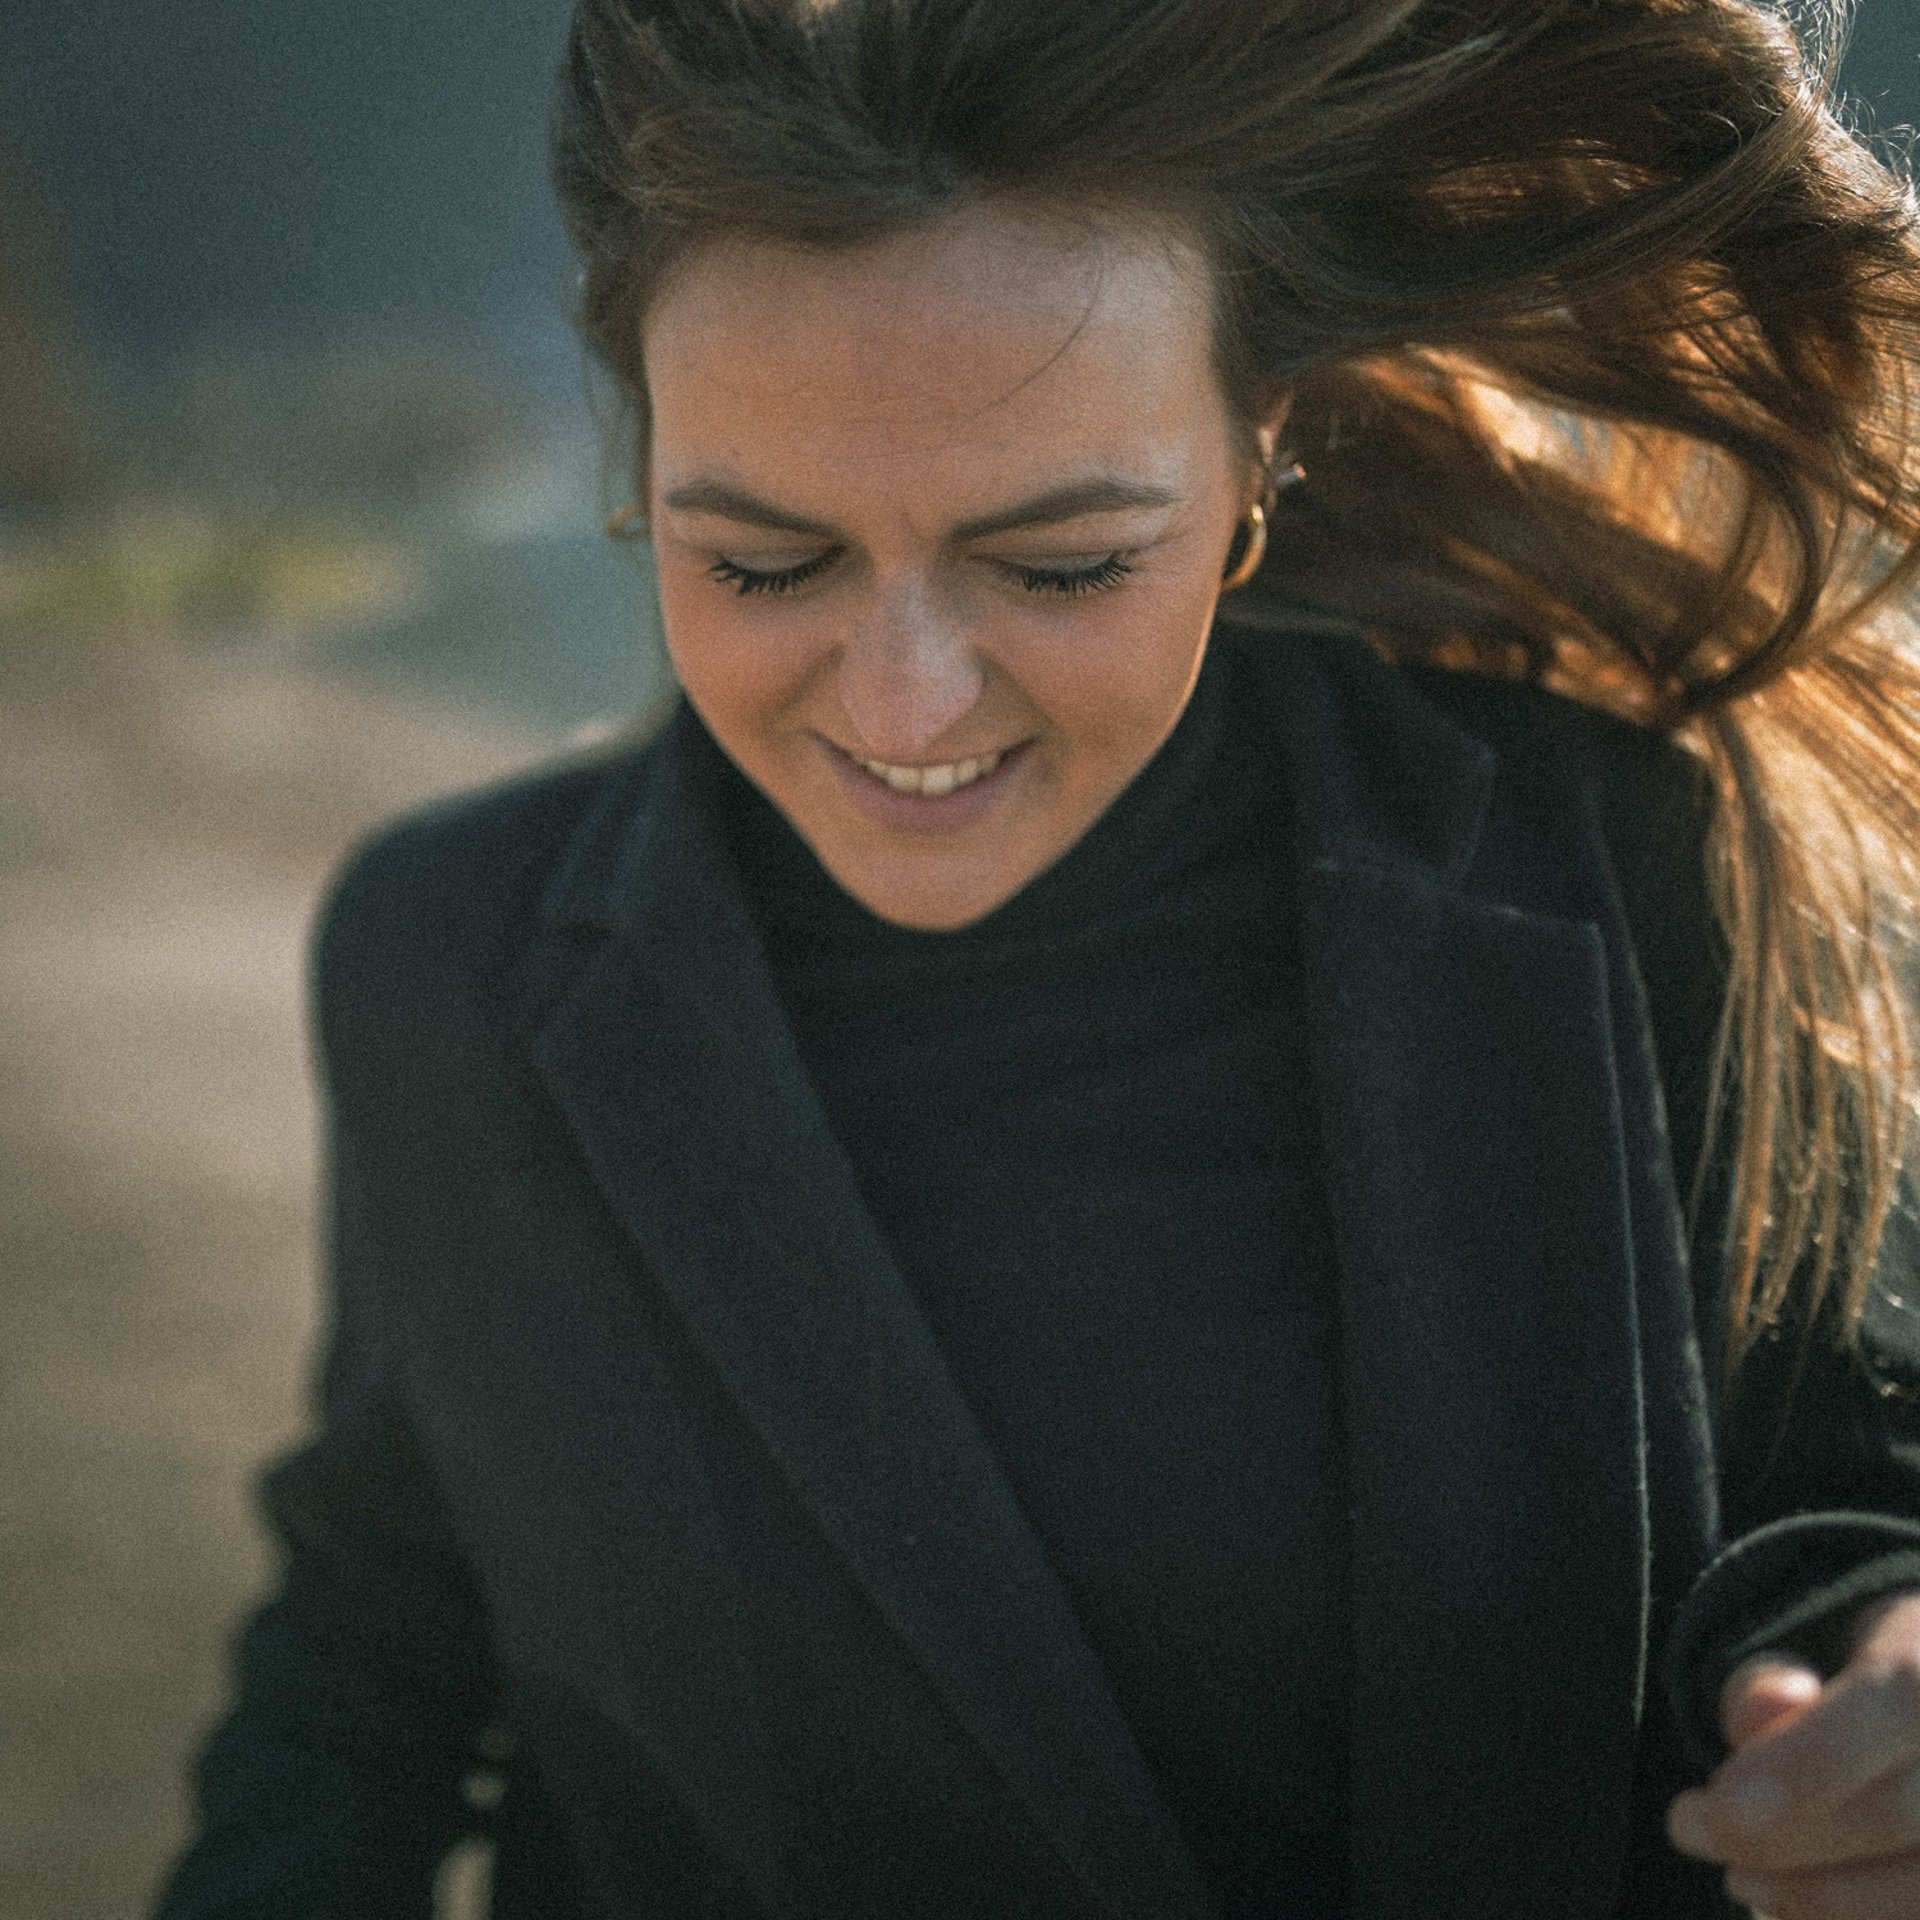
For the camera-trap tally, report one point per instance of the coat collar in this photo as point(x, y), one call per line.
point(1473, 1146)
point(1381, 778)
point(1473, 1155)
point(795, 1298)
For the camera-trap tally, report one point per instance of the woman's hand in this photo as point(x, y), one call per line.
point(1816, 1814)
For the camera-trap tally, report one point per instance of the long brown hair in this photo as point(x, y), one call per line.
point(1600, 327)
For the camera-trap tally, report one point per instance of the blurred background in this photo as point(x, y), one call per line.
point(301, 483)
point(300, 507)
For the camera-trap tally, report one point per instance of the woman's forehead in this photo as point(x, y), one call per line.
point(986, 321)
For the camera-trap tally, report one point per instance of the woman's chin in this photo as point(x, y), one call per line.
point(925, 888)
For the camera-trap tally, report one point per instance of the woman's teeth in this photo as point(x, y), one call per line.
point(949, 777)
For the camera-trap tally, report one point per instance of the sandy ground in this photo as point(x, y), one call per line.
point(167, 818)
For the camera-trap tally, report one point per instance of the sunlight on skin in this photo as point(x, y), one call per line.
point(951, 508)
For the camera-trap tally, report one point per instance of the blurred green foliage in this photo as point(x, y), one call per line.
point(150, 565)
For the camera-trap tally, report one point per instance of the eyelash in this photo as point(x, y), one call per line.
point(744, 580)
point(1075, 580)
point(1062, 580)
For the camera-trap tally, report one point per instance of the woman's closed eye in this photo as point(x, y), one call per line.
point(1067, 577)
point(745, 580)
point(1078, 577)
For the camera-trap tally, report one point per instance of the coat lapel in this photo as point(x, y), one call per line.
point(680, 1079)
point(1473, 1140)
point(1473, 1146)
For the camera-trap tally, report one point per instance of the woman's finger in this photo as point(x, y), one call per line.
point(1835, 1780)
point(1762, 1694)
point(1878, 1824)
point(1864, 1725)
point(1883, 1890)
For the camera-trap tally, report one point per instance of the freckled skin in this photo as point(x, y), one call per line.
point(889, 395)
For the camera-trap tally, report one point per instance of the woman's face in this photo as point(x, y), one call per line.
point(940, 524)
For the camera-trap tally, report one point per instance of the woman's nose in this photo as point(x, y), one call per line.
point(905, 679)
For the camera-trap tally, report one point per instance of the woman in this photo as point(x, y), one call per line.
point(1048, 1259)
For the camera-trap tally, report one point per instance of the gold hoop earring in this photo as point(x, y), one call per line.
point(628, 522)
point(1252, 553)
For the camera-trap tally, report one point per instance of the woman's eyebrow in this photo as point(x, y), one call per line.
point(731, 503)
point(1071, 502)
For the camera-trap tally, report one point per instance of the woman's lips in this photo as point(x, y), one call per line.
point(937, 796)
point(937, 780)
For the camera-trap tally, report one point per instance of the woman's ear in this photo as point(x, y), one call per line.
point(1272, 422)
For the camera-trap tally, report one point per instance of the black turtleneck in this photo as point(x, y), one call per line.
point(1081, 1123)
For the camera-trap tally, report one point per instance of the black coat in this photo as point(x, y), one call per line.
point(641, 1486)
